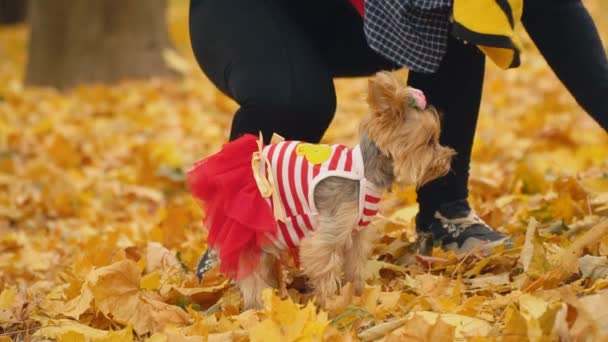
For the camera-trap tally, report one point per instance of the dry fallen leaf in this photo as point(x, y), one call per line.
point(418, 329)
point(7, 298)
point(68, 330)
point(159, 258)
point(516, 328)
point(381, 329)
point(116, 292)
point(465, 326)
point(288, 321)
point(533, 254)
point(593, 266)
point(597, 306)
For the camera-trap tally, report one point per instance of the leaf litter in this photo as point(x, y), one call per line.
point(99, 236)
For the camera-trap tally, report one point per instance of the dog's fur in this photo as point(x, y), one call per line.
point(399, 143)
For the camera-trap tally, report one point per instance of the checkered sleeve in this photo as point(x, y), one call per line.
point(411, 33)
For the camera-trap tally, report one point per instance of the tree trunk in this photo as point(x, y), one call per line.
point(12, 11)
point(95, 41)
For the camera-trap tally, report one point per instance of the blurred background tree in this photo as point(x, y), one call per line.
point(95, 41)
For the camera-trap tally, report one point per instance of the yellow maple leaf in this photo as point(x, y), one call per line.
point(72, 331)
point(13, 301)
point(116, 291)
point(7, 298)
point(160, 258)
point(465, 326)
point(150, 281)
point(63, 151)
point(516, 328)
point(287, 321)
point(419, 329)
point(369, 298)
point(538, 317)
point(117, 295)
point(479, 265)
point(176, 218)
point(71, 336)
point(533, 255)
point(472, 306)
point(373, 268)
point(563, 207)
point(267, 330)
point(388, 303)
point(72, 308)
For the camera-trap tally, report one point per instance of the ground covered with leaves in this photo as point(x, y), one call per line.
point(99, 236)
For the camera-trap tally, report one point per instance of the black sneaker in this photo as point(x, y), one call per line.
point(207, 261)
point(456, 227)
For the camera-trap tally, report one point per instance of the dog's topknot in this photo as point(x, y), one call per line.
point(404, 130)
point(387, 94)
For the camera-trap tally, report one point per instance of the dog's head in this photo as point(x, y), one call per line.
point(406, 130)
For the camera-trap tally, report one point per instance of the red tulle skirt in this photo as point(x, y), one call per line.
point(239, 220)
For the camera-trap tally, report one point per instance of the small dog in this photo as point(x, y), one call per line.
point(265, 204)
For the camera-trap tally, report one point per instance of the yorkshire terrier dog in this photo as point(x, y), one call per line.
point(308, 205)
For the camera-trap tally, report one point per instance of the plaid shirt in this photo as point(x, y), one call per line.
point(411, 33)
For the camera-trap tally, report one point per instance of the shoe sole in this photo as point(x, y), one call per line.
point(482, 246)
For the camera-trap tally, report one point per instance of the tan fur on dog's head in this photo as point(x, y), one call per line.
point(408, 135)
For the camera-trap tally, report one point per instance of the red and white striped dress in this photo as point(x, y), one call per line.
point(297, 168)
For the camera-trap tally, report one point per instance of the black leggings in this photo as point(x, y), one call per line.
point(277, 59)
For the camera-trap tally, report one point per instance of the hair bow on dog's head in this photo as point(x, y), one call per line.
point(417, 99)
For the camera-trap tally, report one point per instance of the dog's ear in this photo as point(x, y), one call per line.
point(387, 95)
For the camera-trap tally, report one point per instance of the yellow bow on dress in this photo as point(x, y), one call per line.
point(267, 186)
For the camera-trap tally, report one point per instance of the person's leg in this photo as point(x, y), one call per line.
point(253, 52)
point(455, 89)
point(566, 36)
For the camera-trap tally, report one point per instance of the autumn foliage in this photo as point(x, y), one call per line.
point(99, 235)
